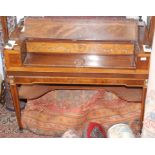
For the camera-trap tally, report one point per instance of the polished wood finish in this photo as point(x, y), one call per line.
point(76, 52)
point(143, 61)
point(70, 60)
point(79, 47)
point(14, 93)
point(81, 29)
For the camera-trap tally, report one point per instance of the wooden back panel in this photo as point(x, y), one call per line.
point(75, 28)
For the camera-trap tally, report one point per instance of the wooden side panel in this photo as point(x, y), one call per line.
point(143, 61)
point(12, 58)
point(96, 48)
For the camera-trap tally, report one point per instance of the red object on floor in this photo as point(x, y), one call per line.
point(95, 130)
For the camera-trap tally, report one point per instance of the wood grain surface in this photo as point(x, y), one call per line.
point(85, 28)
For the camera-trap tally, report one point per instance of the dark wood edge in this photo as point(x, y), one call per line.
point(71, 40)
point(4, 28)
point(151, 30)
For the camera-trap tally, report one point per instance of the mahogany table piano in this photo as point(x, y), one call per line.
point(76, 53)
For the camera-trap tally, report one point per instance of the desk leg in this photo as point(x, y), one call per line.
point(14, 93)
point(143, 105)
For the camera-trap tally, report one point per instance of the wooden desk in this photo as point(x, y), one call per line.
point(74, 82)
point(76, 55)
